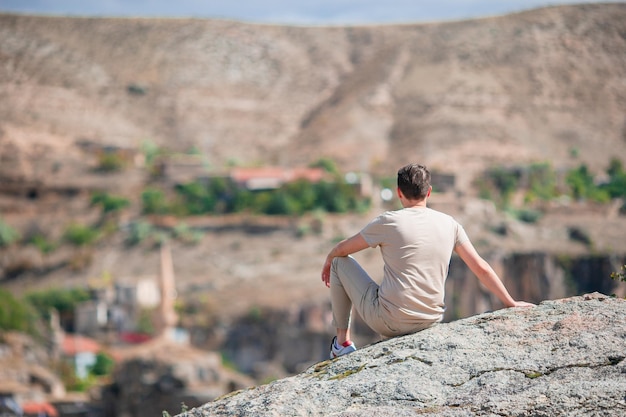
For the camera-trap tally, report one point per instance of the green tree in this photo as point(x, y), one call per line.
point(103, 366)
point(197, 198)
point(616, 187)
point(62, 300)
point(280, 203)
point(15, 315)
point(303, 194)
point(582, 185)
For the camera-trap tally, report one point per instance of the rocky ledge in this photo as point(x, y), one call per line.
point(562, 357)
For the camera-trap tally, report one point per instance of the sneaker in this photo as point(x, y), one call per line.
point(340, 350)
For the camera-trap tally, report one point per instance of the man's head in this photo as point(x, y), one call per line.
point(414, 181)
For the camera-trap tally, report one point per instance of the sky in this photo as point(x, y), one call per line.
point(293, 12)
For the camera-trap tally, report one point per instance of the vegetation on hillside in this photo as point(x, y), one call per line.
point(15, 314)
point(64, 301)
point(219, 195)
point(541, 183)
point(521, 191)
point(8, 234)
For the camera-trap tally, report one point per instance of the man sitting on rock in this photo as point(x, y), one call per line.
point(416, 244)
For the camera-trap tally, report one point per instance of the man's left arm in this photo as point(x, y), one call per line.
point(485, 273)
point(346, 247)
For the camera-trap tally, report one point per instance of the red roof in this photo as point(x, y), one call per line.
point(282, 174)
point(37, 409)
point(134, 338)
point(74, 344)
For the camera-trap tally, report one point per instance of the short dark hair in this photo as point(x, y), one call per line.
point(414, 181)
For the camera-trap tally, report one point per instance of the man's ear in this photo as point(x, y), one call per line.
point(400, 195)
point(429, 191)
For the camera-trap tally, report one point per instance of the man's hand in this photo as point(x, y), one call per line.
point(344, 248)
point(522, 304)
point(326, 272)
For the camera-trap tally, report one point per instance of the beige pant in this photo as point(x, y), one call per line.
point(351, 286)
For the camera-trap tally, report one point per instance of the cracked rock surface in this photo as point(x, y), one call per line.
point(563, 357)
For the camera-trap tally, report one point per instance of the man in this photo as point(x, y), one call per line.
point(416, 244)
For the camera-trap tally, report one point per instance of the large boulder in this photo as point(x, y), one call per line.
point(563, 357)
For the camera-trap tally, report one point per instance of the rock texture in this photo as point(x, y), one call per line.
point(563, 357)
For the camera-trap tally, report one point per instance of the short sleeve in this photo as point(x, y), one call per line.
point(373, 231)
point(461, 236)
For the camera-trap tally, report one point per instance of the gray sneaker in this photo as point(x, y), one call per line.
point(340, 350)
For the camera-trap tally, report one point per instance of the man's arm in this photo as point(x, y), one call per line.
point(487, 275)
point(344, 248)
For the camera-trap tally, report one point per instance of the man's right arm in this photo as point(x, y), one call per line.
point(346, 247)
point(487, 275)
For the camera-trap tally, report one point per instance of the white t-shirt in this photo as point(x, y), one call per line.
point(416, 245)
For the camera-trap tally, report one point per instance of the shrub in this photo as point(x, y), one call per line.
point(81, 235)
point(154, 201)
point(108, 202)
point(186, 234)
point(8, 235)
point(150, 151)
point(103, 366)
point(43, 244)
point(327, 165)
point(505, 181)
point(527, 215)
point(498, 185)
point(619, 275)
point(15, 315)
point(110, 162)
point(138, 232)
point(542, 182)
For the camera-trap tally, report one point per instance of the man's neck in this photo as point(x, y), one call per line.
point(413, 203)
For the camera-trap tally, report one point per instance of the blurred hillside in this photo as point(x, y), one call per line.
point(534, 86)
point(545, 86)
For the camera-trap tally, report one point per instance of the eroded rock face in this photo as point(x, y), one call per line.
point(563, 357)
point(163, 376)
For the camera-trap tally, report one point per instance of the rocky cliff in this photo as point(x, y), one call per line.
point(562, 357)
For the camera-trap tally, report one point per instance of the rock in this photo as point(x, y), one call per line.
point(562, 357)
